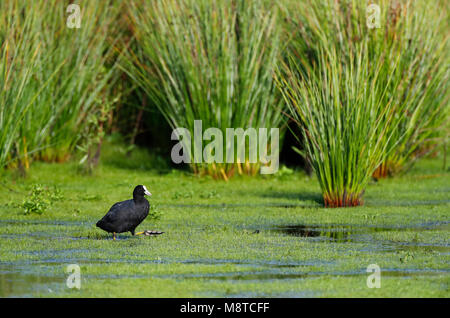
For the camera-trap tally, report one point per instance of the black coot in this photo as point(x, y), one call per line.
point(127, 215)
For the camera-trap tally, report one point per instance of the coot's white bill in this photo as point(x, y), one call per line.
point(146, 192)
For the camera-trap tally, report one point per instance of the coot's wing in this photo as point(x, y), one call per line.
point(116, 208)
point(117, 216)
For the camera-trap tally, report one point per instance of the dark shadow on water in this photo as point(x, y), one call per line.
point(332, 233)
point(338, 231)
point(361, 234)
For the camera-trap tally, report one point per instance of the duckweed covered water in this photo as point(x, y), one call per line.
point(258, 237)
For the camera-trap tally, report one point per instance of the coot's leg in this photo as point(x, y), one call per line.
point(114, 236)
point(139, 233)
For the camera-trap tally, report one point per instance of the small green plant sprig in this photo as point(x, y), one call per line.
point(37, 202)
point(40, 199)
point(154, 213)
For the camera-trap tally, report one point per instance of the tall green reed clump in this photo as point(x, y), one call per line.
point(19, 57)
point(53, 76)
point(412, 32)
point(344, 119)
point(211, 61)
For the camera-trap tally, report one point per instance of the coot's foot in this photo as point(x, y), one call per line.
point(150, 233)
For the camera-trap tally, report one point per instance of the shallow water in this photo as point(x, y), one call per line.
point(362, 234)
point(26, 282)
point(347, 233)
point(26, 278)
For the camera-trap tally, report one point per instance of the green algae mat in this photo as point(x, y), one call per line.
point(249, 237)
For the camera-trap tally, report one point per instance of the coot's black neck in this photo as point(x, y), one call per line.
point(139, 198)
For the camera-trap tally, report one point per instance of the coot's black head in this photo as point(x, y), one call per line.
point(140, 191)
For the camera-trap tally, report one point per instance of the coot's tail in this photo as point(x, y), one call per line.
point(100, 224)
